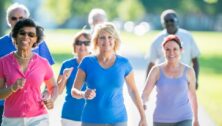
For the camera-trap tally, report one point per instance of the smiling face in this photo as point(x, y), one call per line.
point(106, 42)
point(170, 23)
point(172, 51)
point(81, 46)
point(25, 38)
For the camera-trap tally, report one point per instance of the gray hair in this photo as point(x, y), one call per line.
point(95, 13)
point(16, 6)
point(166, 12)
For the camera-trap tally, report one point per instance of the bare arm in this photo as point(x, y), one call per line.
point(136, 97)
point(196, 69)
point(149, 67)
point(192, 95)
point(77, 85)
point(62, 79)
point(153, 76)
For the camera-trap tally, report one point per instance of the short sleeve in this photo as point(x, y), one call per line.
point(195, 52)
point(48, 71)
point(62, 69)
point(83, 65)
point(1, 69)
point(128, 68)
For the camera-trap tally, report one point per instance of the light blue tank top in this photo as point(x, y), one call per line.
point(172, 103)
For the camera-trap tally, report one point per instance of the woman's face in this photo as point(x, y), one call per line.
point(172, 51)
point(106, 42)
point(26, 37)
point(82, 46)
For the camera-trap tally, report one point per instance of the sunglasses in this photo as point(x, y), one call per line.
point(16, 18)
point(173, 20)
point(30, 34)
point(78, 42)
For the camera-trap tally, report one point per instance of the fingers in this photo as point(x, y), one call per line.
point(67, 72)
point(49, 103)
point(90, 94)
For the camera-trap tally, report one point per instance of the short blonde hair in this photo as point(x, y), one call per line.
point(109, 28)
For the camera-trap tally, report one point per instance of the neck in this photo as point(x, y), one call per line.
point(105, 57)
point(23, 54)
point(172, 64)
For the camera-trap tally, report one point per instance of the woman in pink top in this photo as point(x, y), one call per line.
point(21, 75)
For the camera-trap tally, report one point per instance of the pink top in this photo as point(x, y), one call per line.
point(25, 102)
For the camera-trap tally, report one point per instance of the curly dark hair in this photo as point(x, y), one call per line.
point(28, 23)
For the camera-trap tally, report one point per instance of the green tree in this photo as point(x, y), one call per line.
point(130, 10)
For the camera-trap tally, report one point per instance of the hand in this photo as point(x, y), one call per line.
point(90, 94)
point(143, 122)
point(46, 98)
point(49, 103)
point(195, 123)
point(67, 72)
point(19, 84)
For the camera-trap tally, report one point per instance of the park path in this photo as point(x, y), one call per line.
point(139, 64)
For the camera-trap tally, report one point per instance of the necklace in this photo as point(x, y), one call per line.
point(22, 58)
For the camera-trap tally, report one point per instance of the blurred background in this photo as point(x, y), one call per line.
point(129, 15)
point(139, 23)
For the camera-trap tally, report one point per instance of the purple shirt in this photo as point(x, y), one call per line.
point(172, 103)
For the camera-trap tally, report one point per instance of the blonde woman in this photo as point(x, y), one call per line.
point(105, 73)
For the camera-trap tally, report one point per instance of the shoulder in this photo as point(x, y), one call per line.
point(40, 59)
point(184, 32)
point(4, 37)
point(68, 61)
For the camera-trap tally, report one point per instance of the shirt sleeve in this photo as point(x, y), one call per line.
point(48, 71)
point(195, 52)
point(153, 53)
point(1, 69)
point(83, 65)
point(43, 51)
point(62, 69)
point(128, 68)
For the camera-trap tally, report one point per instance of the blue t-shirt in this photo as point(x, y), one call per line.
point(72, 108)
point(108, 105)
point(7, 46)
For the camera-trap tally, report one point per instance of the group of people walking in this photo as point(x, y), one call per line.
point(93, 80)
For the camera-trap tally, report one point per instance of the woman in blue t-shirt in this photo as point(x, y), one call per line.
point(105, 73)
point(72, 108)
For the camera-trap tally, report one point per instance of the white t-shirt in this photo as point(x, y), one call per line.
point(190, 49)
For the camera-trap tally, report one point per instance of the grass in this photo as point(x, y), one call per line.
point(210, 80)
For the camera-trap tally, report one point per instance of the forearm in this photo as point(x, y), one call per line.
point(76, 93)
point(138, 102)
point(195, 107)
point(62, 83)
point(196, 67)
point(150, 65)
point(6, 92)
point(54, 92)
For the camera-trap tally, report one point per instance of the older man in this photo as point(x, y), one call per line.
point(190, 53)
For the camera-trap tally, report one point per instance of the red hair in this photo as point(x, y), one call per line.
point(172, 38)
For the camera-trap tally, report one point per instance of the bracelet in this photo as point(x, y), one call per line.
point(11, 88)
